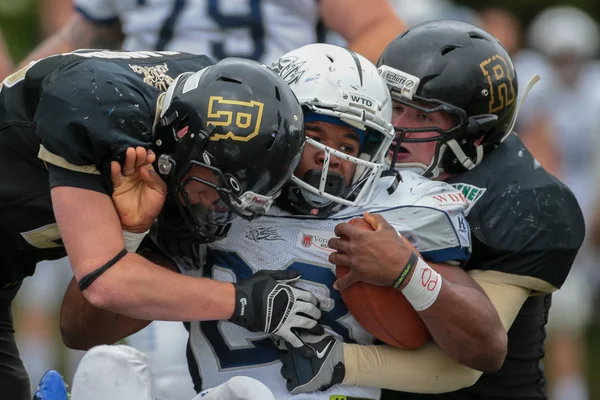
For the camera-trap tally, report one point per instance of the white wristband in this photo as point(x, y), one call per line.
point(424, 286)
point(133, 240)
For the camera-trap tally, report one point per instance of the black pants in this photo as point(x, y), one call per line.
point(14, 380)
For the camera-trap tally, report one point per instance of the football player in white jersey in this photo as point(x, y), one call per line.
point(348, 117)
point(261, 30)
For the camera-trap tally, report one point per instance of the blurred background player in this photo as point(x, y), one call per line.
point(261, 30)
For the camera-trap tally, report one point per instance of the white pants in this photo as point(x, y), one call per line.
point(121, 372)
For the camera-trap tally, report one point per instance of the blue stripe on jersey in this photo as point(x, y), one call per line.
point(86, 15)
point(450, 254)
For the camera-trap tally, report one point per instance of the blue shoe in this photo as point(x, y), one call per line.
point(51, 387)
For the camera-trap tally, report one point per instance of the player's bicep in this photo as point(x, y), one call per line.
point(89, 227)
point(506, 294)
point(83, 326)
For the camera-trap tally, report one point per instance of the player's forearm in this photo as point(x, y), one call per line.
point(84, 326)
point(137, 288)
point(426, 370)
point(375, 39)
point(78, 33)
point(465, 325)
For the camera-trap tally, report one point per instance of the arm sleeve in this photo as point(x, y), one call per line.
point(428, 369)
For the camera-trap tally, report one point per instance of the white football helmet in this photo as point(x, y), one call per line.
point(334, 82)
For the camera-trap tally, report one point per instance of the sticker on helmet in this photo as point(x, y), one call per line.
point(243, 118)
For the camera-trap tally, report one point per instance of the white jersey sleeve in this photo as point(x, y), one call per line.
point(98, 11)
point(430, 214)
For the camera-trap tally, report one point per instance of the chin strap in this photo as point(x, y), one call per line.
point(534, 79)
point(462, 157)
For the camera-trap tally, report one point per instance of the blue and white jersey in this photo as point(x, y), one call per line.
point(261, 30)
point(429, 214)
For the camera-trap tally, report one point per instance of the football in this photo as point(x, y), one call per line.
point(383, 311)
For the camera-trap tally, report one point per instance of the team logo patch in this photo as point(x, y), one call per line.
point(154, 75)
point(263, 233)
point(240, 120)
point(317, 240)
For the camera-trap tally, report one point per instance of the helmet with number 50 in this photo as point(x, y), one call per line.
point(458, 69)
point(339, 87)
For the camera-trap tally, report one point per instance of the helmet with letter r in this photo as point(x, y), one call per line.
point(460, 87)
point(227, 140)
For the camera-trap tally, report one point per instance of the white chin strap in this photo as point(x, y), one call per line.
point(534, 79)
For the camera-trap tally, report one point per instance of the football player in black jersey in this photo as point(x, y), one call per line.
point(455, 95)
point(223, 141)
point(455, 102)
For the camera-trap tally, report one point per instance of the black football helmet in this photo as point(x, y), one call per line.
point(458, 68)
point(239, 120)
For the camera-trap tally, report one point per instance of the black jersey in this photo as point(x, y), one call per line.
point(63, 119)
point(526, 223)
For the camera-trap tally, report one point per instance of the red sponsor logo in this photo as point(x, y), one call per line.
point(307, 240)
point(451, 198)
point(257, 200)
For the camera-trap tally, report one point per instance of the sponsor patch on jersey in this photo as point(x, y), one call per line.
point(447, 199)
point(471, 194)
point(316, 240)
point(259, 233)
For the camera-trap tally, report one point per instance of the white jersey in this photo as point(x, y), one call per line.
point(261, 30)
point(429, 213)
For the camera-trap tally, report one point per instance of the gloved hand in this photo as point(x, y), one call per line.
point(318, 366)
point(266, 302)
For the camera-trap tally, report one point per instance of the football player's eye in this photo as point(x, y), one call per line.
point(425, 117)
point(348, 149)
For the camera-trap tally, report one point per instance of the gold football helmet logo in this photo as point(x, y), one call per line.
point(496, 70)
point(243, 118)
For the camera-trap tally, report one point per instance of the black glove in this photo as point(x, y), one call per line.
point(319, 368)
point(266, 302)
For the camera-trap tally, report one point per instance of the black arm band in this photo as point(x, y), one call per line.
point(92, 276)
point(412, 261)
